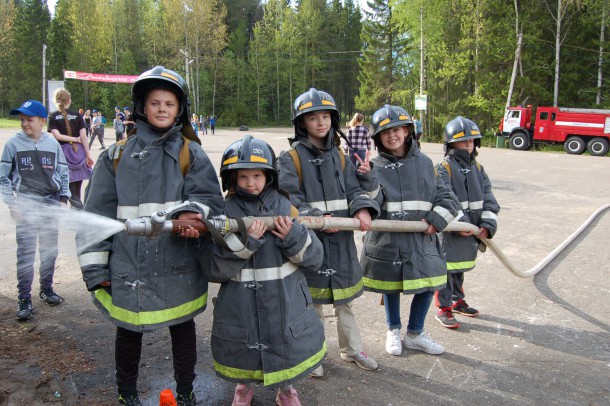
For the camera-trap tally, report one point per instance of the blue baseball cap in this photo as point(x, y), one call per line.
point(127, 108)
point(117, 107)
point(95, 111)
point(31, 108)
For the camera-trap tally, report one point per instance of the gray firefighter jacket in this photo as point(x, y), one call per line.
point(410, 190)
point(265, 327)
point(327, 188)
point(154, 283)
point(472, 187)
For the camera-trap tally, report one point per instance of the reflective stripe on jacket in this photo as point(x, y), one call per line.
point(154, 283)
point(327, 188)
point(410, 191)
point(265, 327)
point(472, 187)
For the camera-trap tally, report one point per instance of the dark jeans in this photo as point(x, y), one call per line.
point(99, 134)
point(453, 292)
point(27, 232)
point(417, 316)
point(128, 350)
point(360, 152)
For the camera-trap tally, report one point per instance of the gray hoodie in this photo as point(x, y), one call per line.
point(34, 167)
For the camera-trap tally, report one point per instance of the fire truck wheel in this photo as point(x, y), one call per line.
point(519, 141)
point(574, 145)
point(598, 146)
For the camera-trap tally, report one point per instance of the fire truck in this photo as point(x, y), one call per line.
point(577, 129)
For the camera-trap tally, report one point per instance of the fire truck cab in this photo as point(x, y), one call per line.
point(577, 129)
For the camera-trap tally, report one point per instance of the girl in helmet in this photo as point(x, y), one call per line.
point(407, 263)
point(469, 182)
point(321, 182)
point(142, 284)
point(265, 327)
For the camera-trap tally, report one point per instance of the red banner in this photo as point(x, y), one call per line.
point(99, 77)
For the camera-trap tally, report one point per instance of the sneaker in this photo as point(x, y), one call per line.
point(461, 307)
point(362, 360)
point(129, 400)
point(24, 309)
point(424, 343)
point(318, 372)
point(393, 344)
point(50, 297)
point(445, 317)
point(243, 395)
point(290, 398)
point(186, 400)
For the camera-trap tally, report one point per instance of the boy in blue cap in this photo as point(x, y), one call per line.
point(34, 165)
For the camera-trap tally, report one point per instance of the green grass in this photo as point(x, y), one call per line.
point(9, 123)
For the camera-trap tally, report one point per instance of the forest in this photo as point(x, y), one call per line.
point(247, 60)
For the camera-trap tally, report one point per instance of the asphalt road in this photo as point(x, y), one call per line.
point(538, 341)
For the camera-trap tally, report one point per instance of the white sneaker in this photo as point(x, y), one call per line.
point(393, 345)
point(424, 343)
point(318, 372)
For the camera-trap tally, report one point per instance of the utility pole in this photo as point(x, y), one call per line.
point(422, 113)
point(44, 75)
point(186, 65)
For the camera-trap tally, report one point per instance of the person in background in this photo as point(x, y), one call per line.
point(212, 124)
point(469, 182)
point(97, 130)
point(87, 118)
point(418, 129)
point(407, 188)
point(129, 122)
point(33, 166)
point(68, 127)
point(119, 128)
point(358, 139)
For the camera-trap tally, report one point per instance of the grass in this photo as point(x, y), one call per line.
point(9, 123)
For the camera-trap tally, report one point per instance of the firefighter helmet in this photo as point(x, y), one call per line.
point(461, 129)
point(389, 117)
point(314, 100)
point(248, 153)
point(161, 78)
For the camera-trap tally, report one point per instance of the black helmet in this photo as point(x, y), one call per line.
point(389, 117)
point(248, 153)
point(314, 100)
point(461, 129)
point(161, 78)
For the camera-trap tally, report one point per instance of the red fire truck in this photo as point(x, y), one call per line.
point(576, 129)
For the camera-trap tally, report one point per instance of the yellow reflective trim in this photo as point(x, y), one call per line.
point(272, 378)
point(327, 103)
point(403, 117)
point(305, 105)
point(231, 160)
point(474, 132)
point(150, 317)
point(432, 282)
point(456, 266)
point(287, 374)
point(167, 75)
point(459, 135)
point(384, 122)
point(336, 294)
point(254, 158)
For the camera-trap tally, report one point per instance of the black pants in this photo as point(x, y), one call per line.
point(128, 350)
point(75, 200)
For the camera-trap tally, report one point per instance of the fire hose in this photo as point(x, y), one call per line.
point(158, 223)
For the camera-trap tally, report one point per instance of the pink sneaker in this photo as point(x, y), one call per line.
point(243, 395)
point(290, 398)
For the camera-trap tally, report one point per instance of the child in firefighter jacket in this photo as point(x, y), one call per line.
point(407, 263)
point(472, 187)
point(265, 327)
point(322, 182)
point(144, 284)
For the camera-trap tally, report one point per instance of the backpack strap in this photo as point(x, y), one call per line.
point(184, 159)
point(296, 159)
point(447, 167)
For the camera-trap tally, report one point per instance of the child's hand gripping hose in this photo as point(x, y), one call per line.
point(158, 223)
